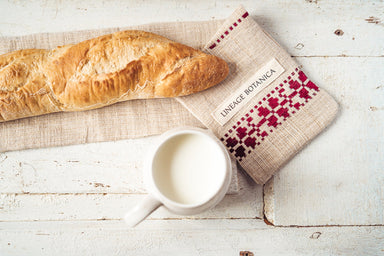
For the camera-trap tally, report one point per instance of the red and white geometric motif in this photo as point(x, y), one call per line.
point(280, 103)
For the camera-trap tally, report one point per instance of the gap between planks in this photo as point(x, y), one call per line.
point(74, 194)
point(187, 218)
point(337, 56)
point(195, 219)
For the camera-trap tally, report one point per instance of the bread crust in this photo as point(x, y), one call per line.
point(98, 72)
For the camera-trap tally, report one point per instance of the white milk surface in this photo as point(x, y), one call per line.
point(189, 168)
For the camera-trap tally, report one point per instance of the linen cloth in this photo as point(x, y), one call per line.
point(282, 108)
point(265, 111)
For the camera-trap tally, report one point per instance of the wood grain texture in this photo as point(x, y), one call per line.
point(186, 237)
point(247, 203)
point(304, 28)
point(320, 185)
point(108, 167)
point(337, 179)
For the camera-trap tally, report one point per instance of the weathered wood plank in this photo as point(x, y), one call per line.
point(108, 167)
point(187, 237)
point(31, 207)
point(319, 186)
point(304, 28)
point(339, 177)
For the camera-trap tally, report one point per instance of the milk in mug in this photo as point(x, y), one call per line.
point(189, 168)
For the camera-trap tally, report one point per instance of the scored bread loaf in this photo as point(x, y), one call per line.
point(101, 71)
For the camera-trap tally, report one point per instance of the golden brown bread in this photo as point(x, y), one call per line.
point(102, 71)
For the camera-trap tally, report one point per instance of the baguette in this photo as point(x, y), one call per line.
point(101, 71)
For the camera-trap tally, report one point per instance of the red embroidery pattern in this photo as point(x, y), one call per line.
point(229, 29)
point(281, 103)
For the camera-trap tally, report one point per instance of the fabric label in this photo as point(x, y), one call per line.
point(262, 78)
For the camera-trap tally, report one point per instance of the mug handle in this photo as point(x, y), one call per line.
point(142, 210)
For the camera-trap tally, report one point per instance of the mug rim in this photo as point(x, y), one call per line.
point(156, 192)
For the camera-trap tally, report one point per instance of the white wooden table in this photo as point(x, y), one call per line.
point(329, 200)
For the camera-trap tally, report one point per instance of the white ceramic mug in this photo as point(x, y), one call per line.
point(188, 172)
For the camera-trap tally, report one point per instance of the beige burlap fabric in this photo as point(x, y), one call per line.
point(267, 109)
point(131, 119)
point(124, 120)
point(264, 112)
